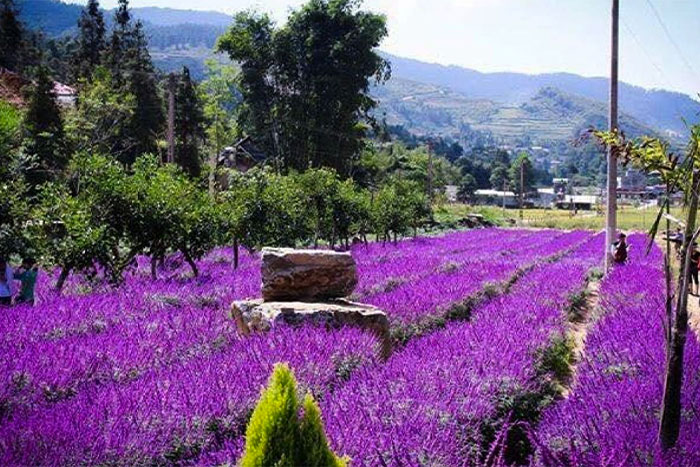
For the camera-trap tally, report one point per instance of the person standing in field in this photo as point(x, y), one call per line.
point(619, 249)
point(27, 274)
point(5, 283)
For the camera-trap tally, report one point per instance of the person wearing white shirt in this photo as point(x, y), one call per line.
point(5, 282)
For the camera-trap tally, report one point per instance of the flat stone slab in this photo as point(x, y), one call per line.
point(259, 315)
point(306, 275)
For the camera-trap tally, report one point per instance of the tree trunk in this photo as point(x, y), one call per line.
point(235, 252)
point(62, 279)
point(191, 262)
point(669, 428)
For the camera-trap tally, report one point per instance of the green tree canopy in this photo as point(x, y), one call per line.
point(306, 84)
point(524, 164)
point(90, 43)
point(43, 132)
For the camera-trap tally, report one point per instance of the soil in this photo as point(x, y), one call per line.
point(578, 329)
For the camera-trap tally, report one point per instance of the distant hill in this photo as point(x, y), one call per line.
point(550, 116)
point(425, 97)
point(660, 109)
point(171, 17)
point(56, 18)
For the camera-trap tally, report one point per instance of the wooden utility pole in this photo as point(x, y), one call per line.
point(522, 186)
point(430, 172)
point(611, 213)
point(171, 118)
point(504, 197)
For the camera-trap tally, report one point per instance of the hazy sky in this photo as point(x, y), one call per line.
point(531, 36)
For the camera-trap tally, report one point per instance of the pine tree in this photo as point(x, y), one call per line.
point(44, 137)
point(119, 41)
point(132, 70)
point(189, 125)
point(11, 36)
point(90, 42)
point(149, 119)
point(276, 436)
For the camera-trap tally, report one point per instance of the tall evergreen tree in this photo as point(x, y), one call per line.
point(44, 137)
point(90, 44)
point(132, 71)
point(11, 36)
point(189, 125)
point(306, 85)
point(120, 39)
point(149, 119)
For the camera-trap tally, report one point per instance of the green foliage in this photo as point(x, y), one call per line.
point(557, 358)
point(100, 121)
point(170, 213)
point(44, 137)
point(306, 84)
point(499, 178)
point(132, 70)
point(220, 100)
point(266, 209)
point(90, 43)
point(11, 36)
point(189, 125)
point(10, 121)
point(522, 168)
point(277, 437)
point(399, 206)
point(467, 187)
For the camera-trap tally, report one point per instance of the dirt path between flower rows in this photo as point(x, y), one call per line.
point(578, 328)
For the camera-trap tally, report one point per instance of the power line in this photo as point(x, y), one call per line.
point(671, 40)
point(646, 52)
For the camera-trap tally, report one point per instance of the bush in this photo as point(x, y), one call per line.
point(277, 437)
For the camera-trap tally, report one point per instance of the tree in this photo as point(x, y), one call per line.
point(249, 42)
point(43, 132)
point(148, 120)
point(14, 206)
point(467, 187)
point(499, 178)
point(522, 164)
point(171, 213)
point(219, 95)
point(90, 43)
point(306, 85)
point(11, 36)
point(277, 436)
point(189, 125)
point(101, 119)
point(119, 41)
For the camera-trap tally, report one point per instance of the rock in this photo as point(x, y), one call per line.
point(306, 275)
point(259, 315)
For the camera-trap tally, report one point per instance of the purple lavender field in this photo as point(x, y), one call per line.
point(155, 373)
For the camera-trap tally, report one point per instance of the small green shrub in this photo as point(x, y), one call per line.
point(277, 437)
point(557, 358)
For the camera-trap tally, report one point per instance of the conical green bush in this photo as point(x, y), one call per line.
point(275, 435)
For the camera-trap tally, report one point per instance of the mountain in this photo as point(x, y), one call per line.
point(52, 17)
point(424, 97)
point(549, 117)
point(171, 17)
point(55, 18)
point(664, 110)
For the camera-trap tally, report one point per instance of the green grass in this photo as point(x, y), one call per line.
point(628, 218)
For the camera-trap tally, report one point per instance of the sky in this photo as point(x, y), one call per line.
point(529, 36)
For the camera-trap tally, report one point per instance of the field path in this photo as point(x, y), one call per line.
point(694, 315)
point(578, 328)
